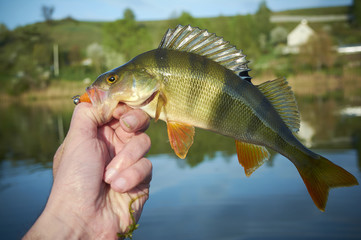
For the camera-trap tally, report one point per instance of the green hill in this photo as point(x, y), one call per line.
point(316, 11)
point(27, 52)
point(70, 32)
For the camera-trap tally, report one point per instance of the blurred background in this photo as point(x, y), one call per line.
point(51, 50)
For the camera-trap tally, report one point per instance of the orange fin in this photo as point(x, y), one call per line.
point(180, 137)
point(251, 156)
point(162, 100)
point(320, 176)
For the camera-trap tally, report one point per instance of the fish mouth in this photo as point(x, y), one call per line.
point(96, 95)
point(101, 101)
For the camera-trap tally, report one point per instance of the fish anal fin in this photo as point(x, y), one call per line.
point(279, 93)
point(162, 100)
point(180, 137)
point(251, 156)
point(320, 176)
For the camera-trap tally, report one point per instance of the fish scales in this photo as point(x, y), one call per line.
point(209, 96)
point(196, 79)
point(195, 84)
point(221, 103)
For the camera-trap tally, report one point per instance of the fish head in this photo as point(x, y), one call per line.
point(127, 84)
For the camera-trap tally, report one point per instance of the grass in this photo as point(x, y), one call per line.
point(69, 33)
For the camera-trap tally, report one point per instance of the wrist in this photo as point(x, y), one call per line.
point(50, 226)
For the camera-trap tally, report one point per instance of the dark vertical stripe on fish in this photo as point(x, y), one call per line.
point(224, 102)
point(281, 143)
point(253, 126)
point(232, 80)
point(264, 110)
point(261, 105)
point(199, 69)
point(161, 58)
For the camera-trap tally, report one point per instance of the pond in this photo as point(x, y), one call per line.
point(205, 196)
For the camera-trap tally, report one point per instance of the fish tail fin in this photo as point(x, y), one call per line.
point(319, 175)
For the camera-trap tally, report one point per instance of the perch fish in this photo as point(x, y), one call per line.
point(197, 79)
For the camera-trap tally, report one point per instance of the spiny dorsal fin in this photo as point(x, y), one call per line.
point(279, 93)
point(195, 40)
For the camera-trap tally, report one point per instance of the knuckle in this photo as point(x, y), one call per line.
point(129, 154)
point(137, 175)
point(148, 164)
point(144, 119)
point(145, 140)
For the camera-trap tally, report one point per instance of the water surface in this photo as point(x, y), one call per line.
point(205, 196)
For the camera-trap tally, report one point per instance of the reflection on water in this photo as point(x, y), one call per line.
point(31, 132)
point(216, 201)
point(205, 196)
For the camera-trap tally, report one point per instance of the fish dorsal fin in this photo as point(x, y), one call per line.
point(201, 42)
point(279, 93)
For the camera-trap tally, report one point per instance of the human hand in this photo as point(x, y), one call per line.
point(80, 200)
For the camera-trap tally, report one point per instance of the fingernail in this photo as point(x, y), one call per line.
point(130, 121)
point(119, 184)
point(109, 175)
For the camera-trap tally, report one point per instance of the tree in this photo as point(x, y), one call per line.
point(74, 54)
point(25, 59)
point(263, 16)
point(128, 15)
point(185, 18)
point(126, 36)
point(263, 24)
point(4, 34)
point(318, 52)
point(47, 13)
point(278, 35)
point(96, 54)
point(244, 35)
point(356, 11)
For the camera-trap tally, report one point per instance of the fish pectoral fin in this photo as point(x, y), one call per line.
point(251, 156)
point(180, 137)
point(162, 100)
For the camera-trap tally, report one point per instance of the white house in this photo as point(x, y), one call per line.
point(298, 36)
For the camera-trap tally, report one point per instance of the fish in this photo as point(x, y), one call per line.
point(197, 79)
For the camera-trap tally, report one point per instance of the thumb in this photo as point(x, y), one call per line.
point(85, 120)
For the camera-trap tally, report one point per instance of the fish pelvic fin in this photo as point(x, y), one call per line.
point(251, 156)
point(162, 101)
point(319, 175)
point(279, 93)
point(201, 42)
point(181, 137)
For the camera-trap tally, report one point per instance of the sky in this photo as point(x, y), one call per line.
point(14, 13)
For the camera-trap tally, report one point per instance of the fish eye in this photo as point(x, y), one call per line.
point(112, 78)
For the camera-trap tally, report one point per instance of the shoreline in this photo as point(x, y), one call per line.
point(347, 86)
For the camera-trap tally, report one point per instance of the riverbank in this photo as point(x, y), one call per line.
point(347, 86)
point(57, 91)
